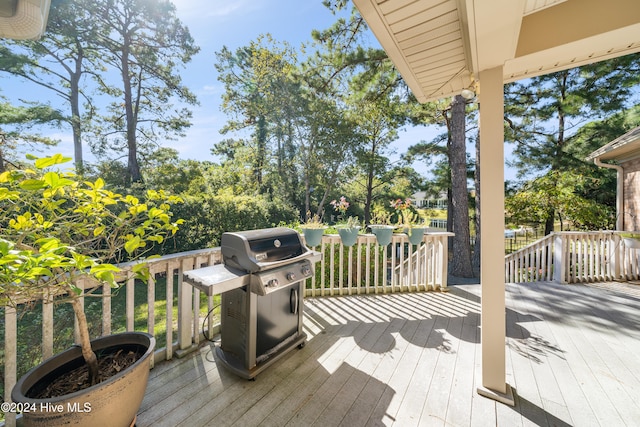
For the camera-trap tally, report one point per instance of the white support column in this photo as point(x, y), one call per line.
point(493, 317)
point(559, 269)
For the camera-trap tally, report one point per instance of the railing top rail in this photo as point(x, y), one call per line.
point(585, 232)
point(395, 235)
point(172, 257)
point(546, 239)
point(549, 238)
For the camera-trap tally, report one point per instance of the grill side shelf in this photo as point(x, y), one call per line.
point(216, 279)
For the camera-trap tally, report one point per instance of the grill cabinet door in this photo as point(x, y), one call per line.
point(277, 317)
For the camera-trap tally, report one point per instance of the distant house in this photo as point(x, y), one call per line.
point(624, 152)
point(421, 201)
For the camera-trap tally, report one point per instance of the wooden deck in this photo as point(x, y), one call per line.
point(414, 359)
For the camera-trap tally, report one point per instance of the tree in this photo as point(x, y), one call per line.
point(378, 118)
point(147, 45)
point(545, 112)
point(14, 123)
point(256, 80)
point(57, 228)
point(59, 61)
point(461, 260)
point(327, 141)
point(452, 174)
point(557, 195)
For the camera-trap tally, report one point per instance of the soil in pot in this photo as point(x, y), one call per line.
point(110, 361)
point(113, 402)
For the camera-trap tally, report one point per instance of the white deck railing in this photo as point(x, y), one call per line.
point(574, 257)
point(360, 269)
point(367, 267)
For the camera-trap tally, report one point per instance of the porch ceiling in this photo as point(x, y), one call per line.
point(439, 46)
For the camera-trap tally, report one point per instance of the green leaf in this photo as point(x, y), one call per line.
point(158, 238)
point(40, 272)
point(98, 230)
point(56, 159)
point(132, 244)
point(105, 267)
point(49, 244)
point(105, 276)
point(5, 246)
point(32, 184)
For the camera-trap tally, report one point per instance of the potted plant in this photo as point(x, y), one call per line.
point(382, 228)
point(408, 219)
point(56, 228)
point(347, 229)
point(631, 239)
point(313, 230)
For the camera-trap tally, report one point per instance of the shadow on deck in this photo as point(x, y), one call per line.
point(410, 359)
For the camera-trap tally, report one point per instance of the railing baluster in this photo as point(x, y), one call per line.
point(106, 309)
point(10, 359)
point(130, 304)
point(151, 299)
point(169, 317)
point(47, 327)
point(185, 301)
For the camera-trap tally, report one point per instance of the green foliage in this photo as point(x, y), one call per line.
point(543, 113)
point(211, 215)
point(55, 227)
point(558, 193)
point(15, 124)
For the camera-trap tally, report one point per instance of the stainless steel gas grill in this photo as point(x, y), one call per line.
point(261, 282)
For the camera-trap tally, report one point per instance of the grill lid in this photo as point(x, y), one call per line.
point(258, 250)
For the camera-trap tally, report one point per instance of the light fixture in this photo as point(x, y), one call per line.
point(23, 19)
point(468, 94)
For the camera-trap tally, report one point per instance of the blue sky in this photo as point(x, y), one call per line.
point(214, 24)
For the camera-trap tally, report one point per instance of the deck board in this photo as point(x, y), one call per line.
point(415, 359)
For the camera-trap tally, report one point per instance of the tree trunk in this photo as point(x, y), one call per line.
point(131, 114)
point(461, 261)
point(261, 151)
point(74, 99)
point(85, 342)
point(548, 224)
point(475, 262)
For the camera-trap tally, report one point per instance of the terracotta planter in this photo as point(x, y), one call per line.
point(349, 236)
point(383, 233)
point(111, 403)
point(313, 236)
point(415, 234)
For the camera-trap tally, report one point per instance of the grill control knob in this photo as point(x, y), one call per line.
point(272, 283)
point(291, 276)
point(306, 270)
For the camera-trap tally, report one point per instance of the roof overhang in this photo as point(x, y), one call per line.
point(23, 19)
point(622, 148)
point(440, 46)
